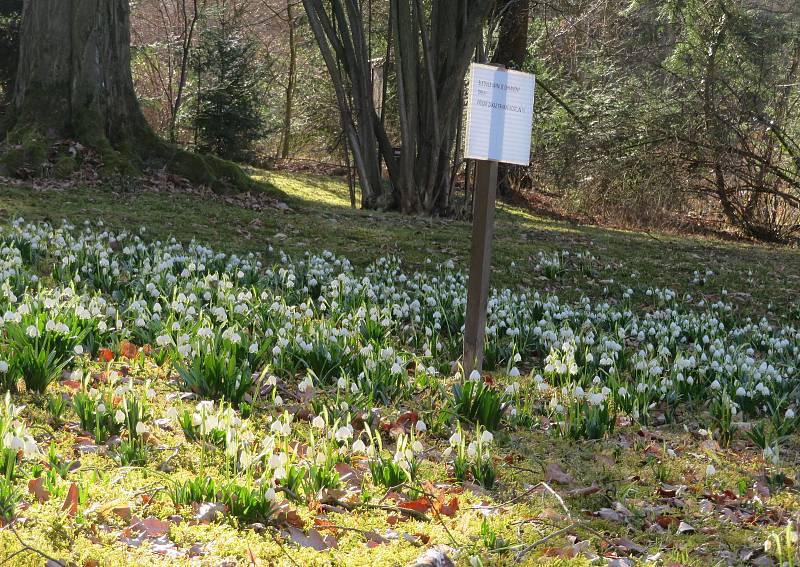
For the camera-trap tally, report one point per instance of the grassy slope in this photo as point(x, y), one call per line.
point(762, 280)
point(321, 219)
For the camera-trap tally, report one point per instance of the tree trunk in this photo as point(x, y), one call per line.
point(74, 81)
point(511, 51)
point(290, 84)
point(74, 76)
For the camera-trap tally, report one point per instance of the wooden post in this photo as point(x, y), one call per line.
point(480, 264)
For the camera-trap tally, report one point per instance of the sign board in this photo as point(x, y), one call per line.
point(499, 115)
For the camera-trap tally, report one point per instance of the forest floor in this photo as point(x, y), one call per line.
point(671, 479)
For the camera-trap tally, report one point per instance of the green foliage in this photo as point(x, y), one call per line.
point(478, 402)
point(10, 497)
point(216, 373)
point(228, 118)
point(244, 502)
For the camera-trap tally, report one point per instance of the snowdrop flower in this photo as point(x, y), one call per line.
point(455, 438)
point(78, 350)
point(486, 436)
point(318, 422)
point(514, 373)
point(789, 414)
point(475, 376)
point(711, 470)
point(3, 366)
point(32, 331)
point(417, 447)
point(359, 447)
point(715, 385)
point(119, 417)
point(344, 433)
point(420, 426)
point(306, 384)
point(141, 428)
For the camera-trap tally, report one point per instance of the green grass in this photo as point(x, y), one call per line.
point(761, 280)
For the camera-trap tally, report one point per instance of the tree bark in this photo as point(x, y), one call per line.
point(74, 81)
point(511, 51)
point(74, 75)
point(290, 84)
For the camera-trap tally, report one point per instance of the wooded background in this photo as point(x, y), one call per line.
point(648, 112)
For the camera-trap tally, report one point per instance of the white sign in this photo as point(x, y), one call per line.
point(499, 115)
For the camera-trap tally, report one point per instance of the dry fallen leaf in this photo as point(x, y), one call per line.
point(554, 473)
point(71, 502)
point(36, 487)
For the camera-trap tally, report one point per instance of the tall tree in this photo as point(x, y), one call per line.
point(511, 51)
point(10, 12)
point(433, 48)
point(74, 81)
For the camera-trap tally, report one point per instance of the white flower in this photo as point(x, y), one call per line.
point(789, 414)
point(715, 385)
point(711, 470)
point(514, 372)
point(270, 494)
point(455, 438)
point(318, 422)
point(119, 417)
point(359, 447)
point(344, 433)
point(420, 425)
point(32, 331)
point(486, 436)
point(417, 447)
point(172, 413)
point(474, 375)
point(141, 428)
point(3, 366)
point(78, 350)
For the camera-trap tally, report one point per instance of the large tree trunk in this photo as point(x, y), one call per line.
point(74, 76)
point(74, 81)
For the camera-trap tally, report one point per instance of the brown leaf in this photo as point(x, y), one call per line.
point(285, 514)
point(420, 504)
point(36, 487)
point(585, 491)
point(447, 509)
point(105, 355)
point(314, 539)
point(128, 349)
point(71, 502)
point(554, 473)
point(348, 475)
point(153, 526)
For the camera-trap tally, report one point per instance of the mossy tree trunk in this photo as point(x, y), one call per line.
point(74, 81)
point(74, 75)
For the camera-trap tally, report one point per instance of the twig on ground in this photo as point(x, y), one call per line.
point(530, 547)
point(283, 548)
point(26, 547)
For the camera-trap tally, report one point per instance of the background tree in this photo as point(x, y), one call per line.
point(10, 16)
point(74, 82)
point(433, 49)
point(228, 118)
